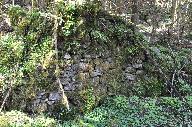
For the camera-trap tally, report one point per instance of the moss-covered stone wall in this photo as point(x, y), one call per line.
point(99, 55)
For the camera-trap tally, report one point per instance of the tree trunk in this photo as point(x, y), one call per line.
point(32, 4)
point(173, 11)
point(135, 16)
point(119, 6)
point(155, 20)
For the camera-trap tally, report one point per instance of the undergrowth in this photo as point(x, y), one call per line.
point(121, 111)
point(118, 111)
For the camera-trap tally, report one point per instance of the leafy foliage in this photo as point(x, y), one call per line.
point(135, 111)
point(19, 119)
point(25, 54)
point(146, 84)
point(171, 62)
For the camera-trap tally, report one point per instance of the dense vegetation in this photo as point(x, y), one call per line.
point(34, 42)
point(118, 111)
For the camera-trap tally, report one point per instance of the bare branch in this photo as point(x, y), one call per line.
point(64, 99)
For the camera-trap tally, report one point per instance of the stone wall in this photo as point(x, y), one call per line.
point(104, 72)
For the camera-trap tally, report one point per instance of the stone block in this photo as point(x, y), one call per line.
point(130, 70)
point(54, 96)
point(139, 72)
point(130, 77)
point(69, 87)
point(96, 73)
point(109, 59)
point(137, 66)
point(82, 66)
point(67, 56)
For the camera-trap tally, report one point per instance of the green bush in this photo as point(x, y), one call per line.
point(19, 119)
point(19, 66)
point(166, 65)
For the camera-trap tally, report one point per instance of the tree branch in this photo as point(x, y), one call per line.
point(64, 97)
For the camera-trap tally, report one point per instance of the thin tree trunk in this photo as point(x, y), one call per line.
point(6, 97)
point(32, 4)
point(1, 12)
point(64, 97)
point(119, 6)
point(173, 11)
point(105, 4)
point(180, 21)
point(10, 87)
point(154, 23)
point(135, 17)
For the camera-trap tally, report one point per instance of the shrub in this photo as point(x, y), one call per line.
point(19, 119)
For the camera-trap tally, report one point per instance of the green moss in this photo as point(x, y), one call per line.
point(152, 84)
